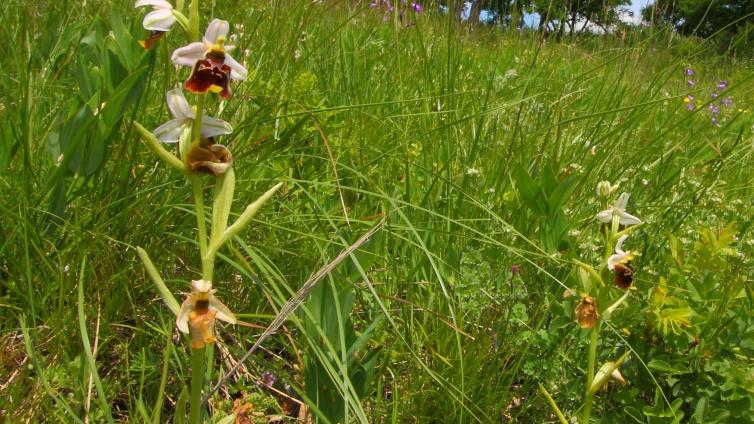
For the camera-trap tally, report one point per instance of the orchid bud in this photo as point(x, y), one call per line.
point(604, 189)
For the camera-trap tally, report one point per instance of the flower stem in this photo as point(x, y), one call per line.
point(196, 130)
point(197, 382)
point(193, 26)
point(587, 412)
point(196, 182)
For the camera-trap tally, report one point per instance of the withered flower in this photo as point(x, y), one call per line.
point(213, 67)
point(586, 312)
point(199, 312)
point(209, 158)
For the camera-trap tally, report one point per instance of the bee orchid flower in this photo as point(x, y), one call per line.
point(158, 21)
point(620, 264)
point(618, 209)
point(199, 312)
point(183, 117)
point(213, 67)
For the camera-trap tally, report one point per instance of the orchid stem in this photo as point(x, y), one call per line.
point(196, 130)
point(197, 382)
point(201, 225)
point(193, 26)
point(587, 413)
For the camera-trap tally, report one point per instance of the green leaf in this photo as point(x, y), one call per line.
point(530, 192)
point(663, 366)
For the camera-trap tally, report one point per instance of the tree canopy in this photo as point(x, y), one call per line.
point(705, 18)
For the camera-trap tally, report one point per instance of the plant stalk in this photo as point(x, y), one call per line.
point(197, 382)
point(201, 225)
point(587, 412)
point(193, 26)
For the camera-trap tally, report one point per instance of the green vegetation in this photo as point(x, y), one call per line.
point(480, 147)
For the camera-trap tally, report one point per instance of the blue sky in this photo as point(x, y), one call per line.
point(637, 5)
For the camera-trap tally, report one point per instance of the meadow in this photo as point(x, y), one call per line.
point(475, 153)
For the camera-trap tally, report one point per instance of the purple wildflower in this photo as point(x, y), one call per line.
point(722, 85)
point(690, 106)
point(268, 378)
point(714, 120)
point(714, 95)
point(727, 101)
point(418, 8)
point(690, 83)
point(689, 71)
point(714, 109)
point(515, 269)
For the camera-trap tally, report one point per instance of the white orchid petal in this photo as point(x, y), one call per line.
point(229, 48)
point(223, 313)
point(605, 216)
point(622, 201)
point(612, 260)
point(157, 4)
point(619, 244)
point(212, 127)
point(189, 55)
point(628, 219)
point(170, 132)
point(237, 71)
point(216, 29)
point(178, 104)
point(159, 20)
point(181, 321)
point(202, 286)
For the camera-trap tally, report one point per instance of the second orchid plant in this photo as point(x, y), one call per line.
point(198, 154)
point(597, 290)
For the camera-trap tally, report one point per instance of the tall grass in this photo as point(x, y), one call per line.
point(421, 123)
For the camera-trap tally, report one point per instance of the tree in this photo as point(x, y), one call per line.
point(729, 21)
point(702, 17)
point(559, 15)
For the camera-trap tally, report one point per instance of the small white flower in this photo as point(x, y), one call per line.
point(161, 18)
point(213, 42)
point(618, 209)
point(473, 172)
point(184, 116)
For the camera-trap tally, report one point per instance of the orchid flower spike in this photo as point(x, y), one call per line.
point(158, 21)
point(620, 264)
point(618, 209)
point(183, 117)
point(199, 312)
point(212, 66)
